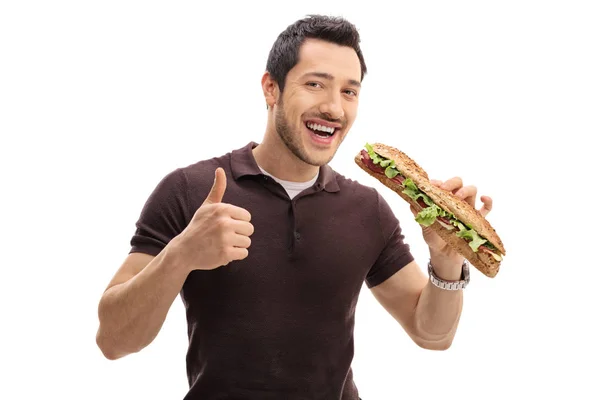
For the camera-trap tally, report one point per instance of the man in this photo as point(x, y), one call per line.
point(269, 247)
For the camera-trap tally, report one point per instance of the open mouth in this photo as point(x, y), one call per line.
point(322, 131)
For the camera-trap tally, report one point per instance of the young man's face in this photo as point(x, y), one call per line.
point(321, 90)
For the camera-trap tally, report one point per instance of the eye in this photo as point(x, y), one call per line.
point(351, 93)
point(313, 84)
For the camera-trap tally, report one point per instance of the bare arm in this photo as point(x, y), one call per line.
point(428, 314)
point(133, 308)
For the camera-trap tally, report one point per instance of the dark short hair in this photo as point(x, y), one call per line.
point(284, 53)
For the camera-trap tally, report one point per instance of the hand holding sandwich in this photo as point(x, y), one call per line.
point(446, 260)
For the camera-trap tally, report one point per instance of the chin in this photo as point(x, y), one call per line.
point(318, 157)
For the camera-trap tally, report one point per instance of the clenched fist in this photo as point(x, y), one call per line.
point(218, 232)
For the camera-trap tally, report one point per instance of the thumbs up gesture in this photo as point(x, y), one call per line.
point(218, 232)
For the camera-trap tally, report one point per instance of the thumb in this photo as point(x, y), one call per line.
point(413, 210)
point(218, 189)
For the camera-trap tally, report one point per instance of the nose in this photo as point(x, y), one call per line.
point(332, 107)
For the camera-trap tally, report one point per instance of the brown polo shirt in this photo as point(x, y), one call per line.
point(278, 324)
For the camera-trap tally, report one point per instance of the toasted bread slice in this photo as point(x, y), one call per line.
point(462, 210)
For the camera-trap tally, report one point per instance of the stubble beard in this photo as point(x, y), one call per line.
point(293, 140)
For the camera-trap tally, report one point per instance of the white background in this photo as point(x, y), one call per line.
point(99, 100)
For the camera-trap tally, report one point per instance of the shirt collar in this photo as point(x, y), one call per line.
point(244, 164)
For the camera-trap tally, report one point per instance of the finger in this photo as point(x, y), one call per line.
point(467, 193)
point(453, 184)
point(243, 228)
point(218, 189)
point(241, 241)
point(238, 213)
point(436, 182)
point(237, 253)
point(487, 205)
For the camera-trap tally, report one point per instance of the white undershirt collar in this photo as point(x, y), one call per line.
point(292, 188)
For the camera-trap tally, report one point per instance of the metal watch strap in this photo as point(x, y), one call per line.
point(450, 285)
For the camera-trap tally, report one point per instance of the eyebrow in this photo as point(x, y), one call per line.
point(325, 75)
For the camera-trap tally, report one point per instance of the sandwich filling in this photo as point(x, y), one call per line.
point(430, 212)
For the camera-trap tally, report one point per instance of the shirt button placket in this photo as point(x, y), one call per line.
point(295, 233)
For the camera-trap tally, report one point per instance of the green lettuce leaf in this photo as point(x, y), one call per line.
point(388, 163)
point(391, 172)
point(427, 216)
point(412, 191)
point(474, 239)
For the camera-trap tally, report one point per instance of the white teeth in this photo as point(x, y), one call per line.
point(320, 128)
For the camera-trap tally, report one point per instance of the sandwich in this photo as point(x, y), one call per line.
point(457, 222)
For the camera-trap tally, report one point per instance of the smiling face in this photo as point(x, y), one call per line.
point(319, 102)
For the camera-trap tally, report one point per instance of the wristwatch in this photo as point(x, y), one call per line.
point(450, 285)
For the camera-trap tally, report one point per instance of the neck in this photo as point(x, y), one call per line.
point(275, 158)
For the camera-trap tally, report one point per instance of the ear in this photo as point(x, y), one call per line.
point(270, 89)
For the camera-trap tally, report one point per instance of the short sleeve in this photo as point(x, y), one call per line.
point(164, 215)
point(395, 254)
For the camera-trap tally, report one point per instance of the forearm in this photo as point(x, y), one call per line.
point(132, 313)
point(438, 311)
